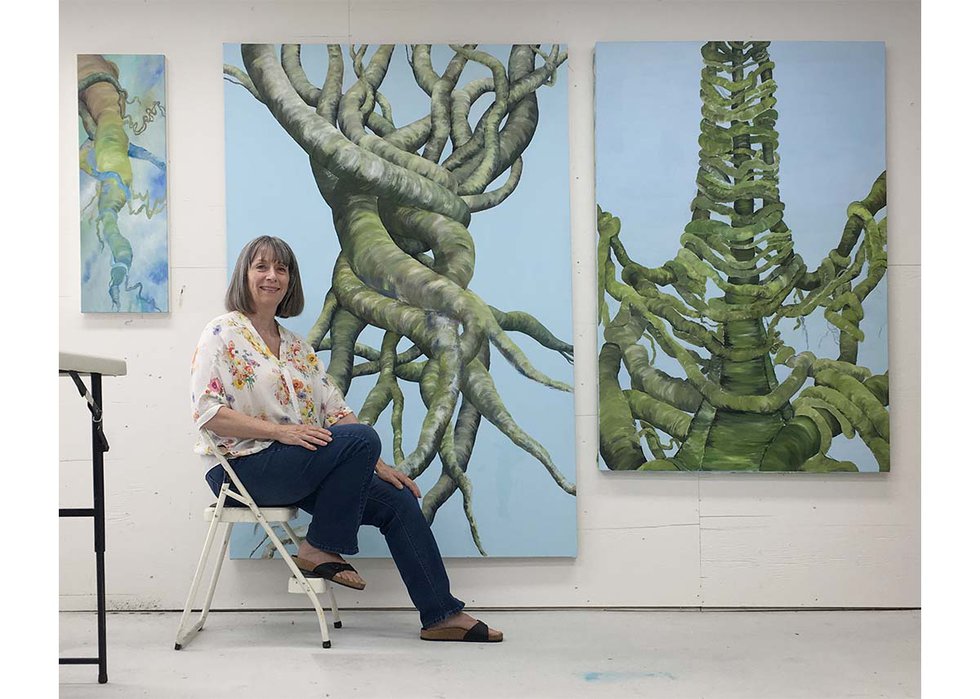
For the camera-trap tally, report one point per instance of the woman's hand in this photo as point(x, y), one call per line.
point(307, 436)
point(396, 478)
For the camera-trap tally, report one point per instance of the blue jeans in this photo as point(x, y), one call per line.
point(336, 484)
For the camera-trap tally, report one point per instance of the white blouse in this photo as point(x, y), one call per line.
point(233, 367)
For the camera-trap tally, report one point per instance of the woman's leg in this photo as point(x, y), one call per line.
point(330, 482)
point(413, 547)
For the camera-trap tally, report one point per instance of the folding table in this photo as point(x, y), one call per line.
point(75, 366)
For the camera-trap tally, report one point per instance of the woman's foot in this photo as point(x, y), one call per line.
point(315, 557)
point(456, 627)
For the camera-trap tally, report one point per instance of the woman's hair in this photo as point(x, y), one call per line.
point(238, 297)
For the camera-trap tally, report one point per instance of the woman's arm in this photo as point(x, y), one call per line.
point(350, 419)
point(232, 423)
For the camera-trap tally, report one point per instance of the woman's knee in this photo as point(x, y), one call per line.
point(365, 434)
point(406, 498)
point(388, 504)
point(404, 503)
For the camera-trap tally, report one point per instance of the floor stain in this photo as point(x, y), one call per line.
point(626, 676)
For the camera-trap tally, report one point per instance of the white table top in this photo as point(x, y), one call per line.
point(88, 364)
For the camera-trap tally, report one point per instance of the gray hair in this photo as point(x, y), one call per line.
point(238, 297)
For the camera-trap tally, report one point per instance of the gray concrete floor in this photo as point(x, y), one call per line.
point(676, 654)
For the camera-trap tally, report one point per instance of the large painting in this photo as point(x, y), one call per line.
point(425, 192)
point(742, 256)
point(122, 157)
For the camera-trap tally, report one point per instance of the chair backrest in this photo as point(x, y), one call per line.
point(242, 495)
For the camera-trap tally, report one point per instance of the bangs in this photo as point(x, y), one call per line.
point(274, 250)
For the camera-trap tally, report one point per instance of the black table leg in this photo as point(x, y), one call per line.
point(98, 492)
point(97, 512)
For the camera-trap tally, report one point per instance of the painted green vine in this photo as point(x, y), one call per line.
point(728, 411)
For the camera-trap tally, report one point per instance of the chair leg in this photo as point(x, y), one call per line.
point(337, 623)
point(324, 634)
point(217, 571)
point(184, 635)
point(292, 534)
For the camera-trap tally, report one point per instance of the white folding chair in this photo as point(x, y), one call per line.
point(220, 514)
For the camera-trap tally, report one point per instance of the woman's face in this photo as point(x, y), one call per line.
point(268, 280)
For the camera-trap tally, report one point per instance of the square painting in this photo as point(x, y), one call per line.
point(742, 256)
point(122, 156)
point(424, 190)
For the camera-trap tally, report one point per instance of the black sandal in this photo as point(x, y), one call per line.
point(327, 571)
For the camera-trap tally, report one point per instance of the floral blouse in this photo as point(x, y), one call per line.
point(233, 367)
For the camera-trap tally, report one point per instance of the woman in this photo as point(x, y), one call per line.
point(291, 438)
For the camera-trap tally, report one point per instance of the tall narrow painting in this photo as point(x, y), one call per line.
point(425, 192)
point(742, 256)
point(122, 155)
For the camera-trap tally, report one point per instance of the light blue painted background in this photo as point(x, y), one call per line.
point(522, 263)
point(831, 104)
point(143, 77)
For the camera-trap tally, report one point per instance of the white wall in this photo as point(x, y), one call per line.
point(667, 540)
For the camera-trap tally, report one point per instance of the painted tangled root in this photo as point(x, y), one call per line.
point(407, 257)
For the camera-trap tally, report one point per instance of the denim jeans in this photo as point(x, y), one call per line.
point(336, 484)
